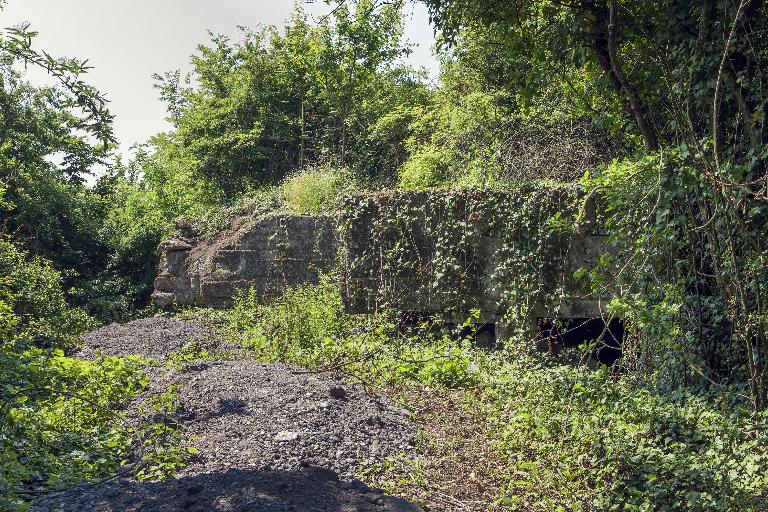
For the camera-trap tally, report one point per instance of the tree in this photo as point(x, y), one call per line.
point(689, 77)
point(278, 101)
point(655, 56)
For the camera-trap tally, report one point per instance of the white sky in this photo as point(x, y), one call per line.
point(126, 41)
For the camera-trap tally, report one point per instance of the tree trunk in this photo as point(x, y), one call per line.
point(604, 45)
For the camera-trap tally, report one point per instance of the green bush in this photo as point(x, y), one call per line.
point(315, 190)
point(35, 304)
point(57, 419)
point(426, 168)
point(291, 327)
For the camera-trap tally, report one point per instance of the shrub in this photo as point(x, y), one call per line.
point(308, 326)
point(426, 168)
point(35, 303)
point(292, 326)
point(56, 413)
point(315, 190)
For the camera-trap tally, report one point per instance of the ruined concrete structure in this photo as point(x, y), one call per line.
point(445, 252)
point(266, 254)
point(449, 252)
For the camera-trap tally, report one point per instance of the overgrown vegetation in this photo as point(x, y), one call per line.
point(686, 84)
point(57, 413)
point(656, 109)
point(563, 436)
point(308, 326)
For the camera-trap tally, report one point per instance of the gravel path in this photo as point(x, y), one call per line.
point(272, 437)
point(250, 415)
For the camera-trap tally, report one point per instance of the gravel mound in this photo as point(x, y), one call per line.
point(250, 415)
point(308, 490)
point(150, 337)
point(271, 436)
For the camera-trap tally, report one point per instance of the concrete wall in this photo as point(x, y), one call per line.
point(266, 253)
point(444, 252)
point(415, 252)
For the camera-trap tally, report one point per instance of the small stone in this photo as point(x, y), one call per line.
point(286, 435)
point(338, 392)
point(375, 499)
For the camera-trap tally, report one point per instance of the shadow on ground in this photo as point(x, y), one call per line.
point(307, 490)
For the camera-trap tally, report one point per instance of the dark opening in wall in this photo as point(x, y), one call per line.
point(603, 337)
point(484, 334)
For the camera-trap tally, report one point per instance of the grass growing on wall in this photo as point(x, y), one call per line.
point(315, 190)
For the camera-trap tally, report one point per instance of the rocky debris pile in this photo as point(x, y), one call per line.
point(307, 490)
point(150, 337)
point(271, 436)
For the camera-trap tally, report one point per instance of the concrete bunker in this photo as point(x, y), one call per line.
point(438, 253)
point(446, 253)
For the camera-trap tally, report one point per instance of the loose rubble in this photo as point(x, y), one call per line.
point(271, 436)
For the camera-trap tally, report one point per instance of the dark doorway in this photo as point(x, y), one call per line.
point(602, 337)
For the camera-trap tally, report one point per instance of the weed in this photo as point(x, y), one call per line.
point(315, 190)
point(164, 449)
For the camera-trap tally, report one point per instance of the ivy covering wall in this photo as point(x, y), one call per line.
point(513, 255)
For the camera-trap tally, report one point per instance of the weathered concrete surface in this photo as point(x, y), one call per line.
point(431, 252)
point(267, 254)
point(448, 252)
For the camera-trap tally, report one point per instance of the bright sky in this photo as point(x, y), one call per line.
point(127, 41)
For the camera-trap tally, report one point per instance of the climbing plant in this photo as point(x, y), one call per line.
point(505, 253)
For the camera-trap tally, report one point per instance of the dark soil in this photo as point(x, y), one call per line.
point(271, 436)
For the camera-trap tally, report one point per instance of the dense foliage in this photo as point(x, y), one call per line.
point(309, 94)
point(56, 412)
point(686, 83)
point(656, 109)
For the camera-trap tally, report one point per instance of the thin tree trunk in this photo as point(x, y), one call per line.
point(636, 105)
point(603, 39)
